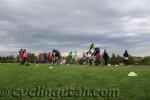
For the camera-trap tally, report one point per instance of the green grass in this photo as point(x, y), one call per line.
point(13, 77)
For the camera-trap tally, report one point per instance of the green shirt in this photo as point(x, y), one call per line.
point(70, 55)
point(93, 46)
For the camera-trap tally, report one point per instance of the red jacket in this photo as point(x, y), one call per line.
point(49, 56)
point(98, 56)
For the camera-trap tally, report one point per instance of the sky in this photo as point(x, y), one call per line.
point(72, 25)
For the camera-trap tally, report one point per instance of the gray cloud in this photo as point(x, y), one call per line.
point(41, 25)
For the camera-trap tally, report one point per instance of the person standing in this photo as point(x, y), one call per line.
point(126, 58)
point(58, 58)
point(84, 58)
point(75, 58)
point(88, 57)
point(98, 59)
point(54, 57)
point(105, 57)
point(25, 54)
point(21, 57)
point(70, 58)
point(49, 57)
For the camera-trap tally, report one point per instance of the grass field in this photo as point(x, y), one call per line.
point(19, 80)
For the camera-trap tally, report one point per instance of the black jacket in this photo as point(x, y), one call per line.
point(125, 54)
point(105, 55)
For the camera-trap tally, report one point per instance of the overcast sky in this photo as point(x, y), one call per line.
point(42, 25)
